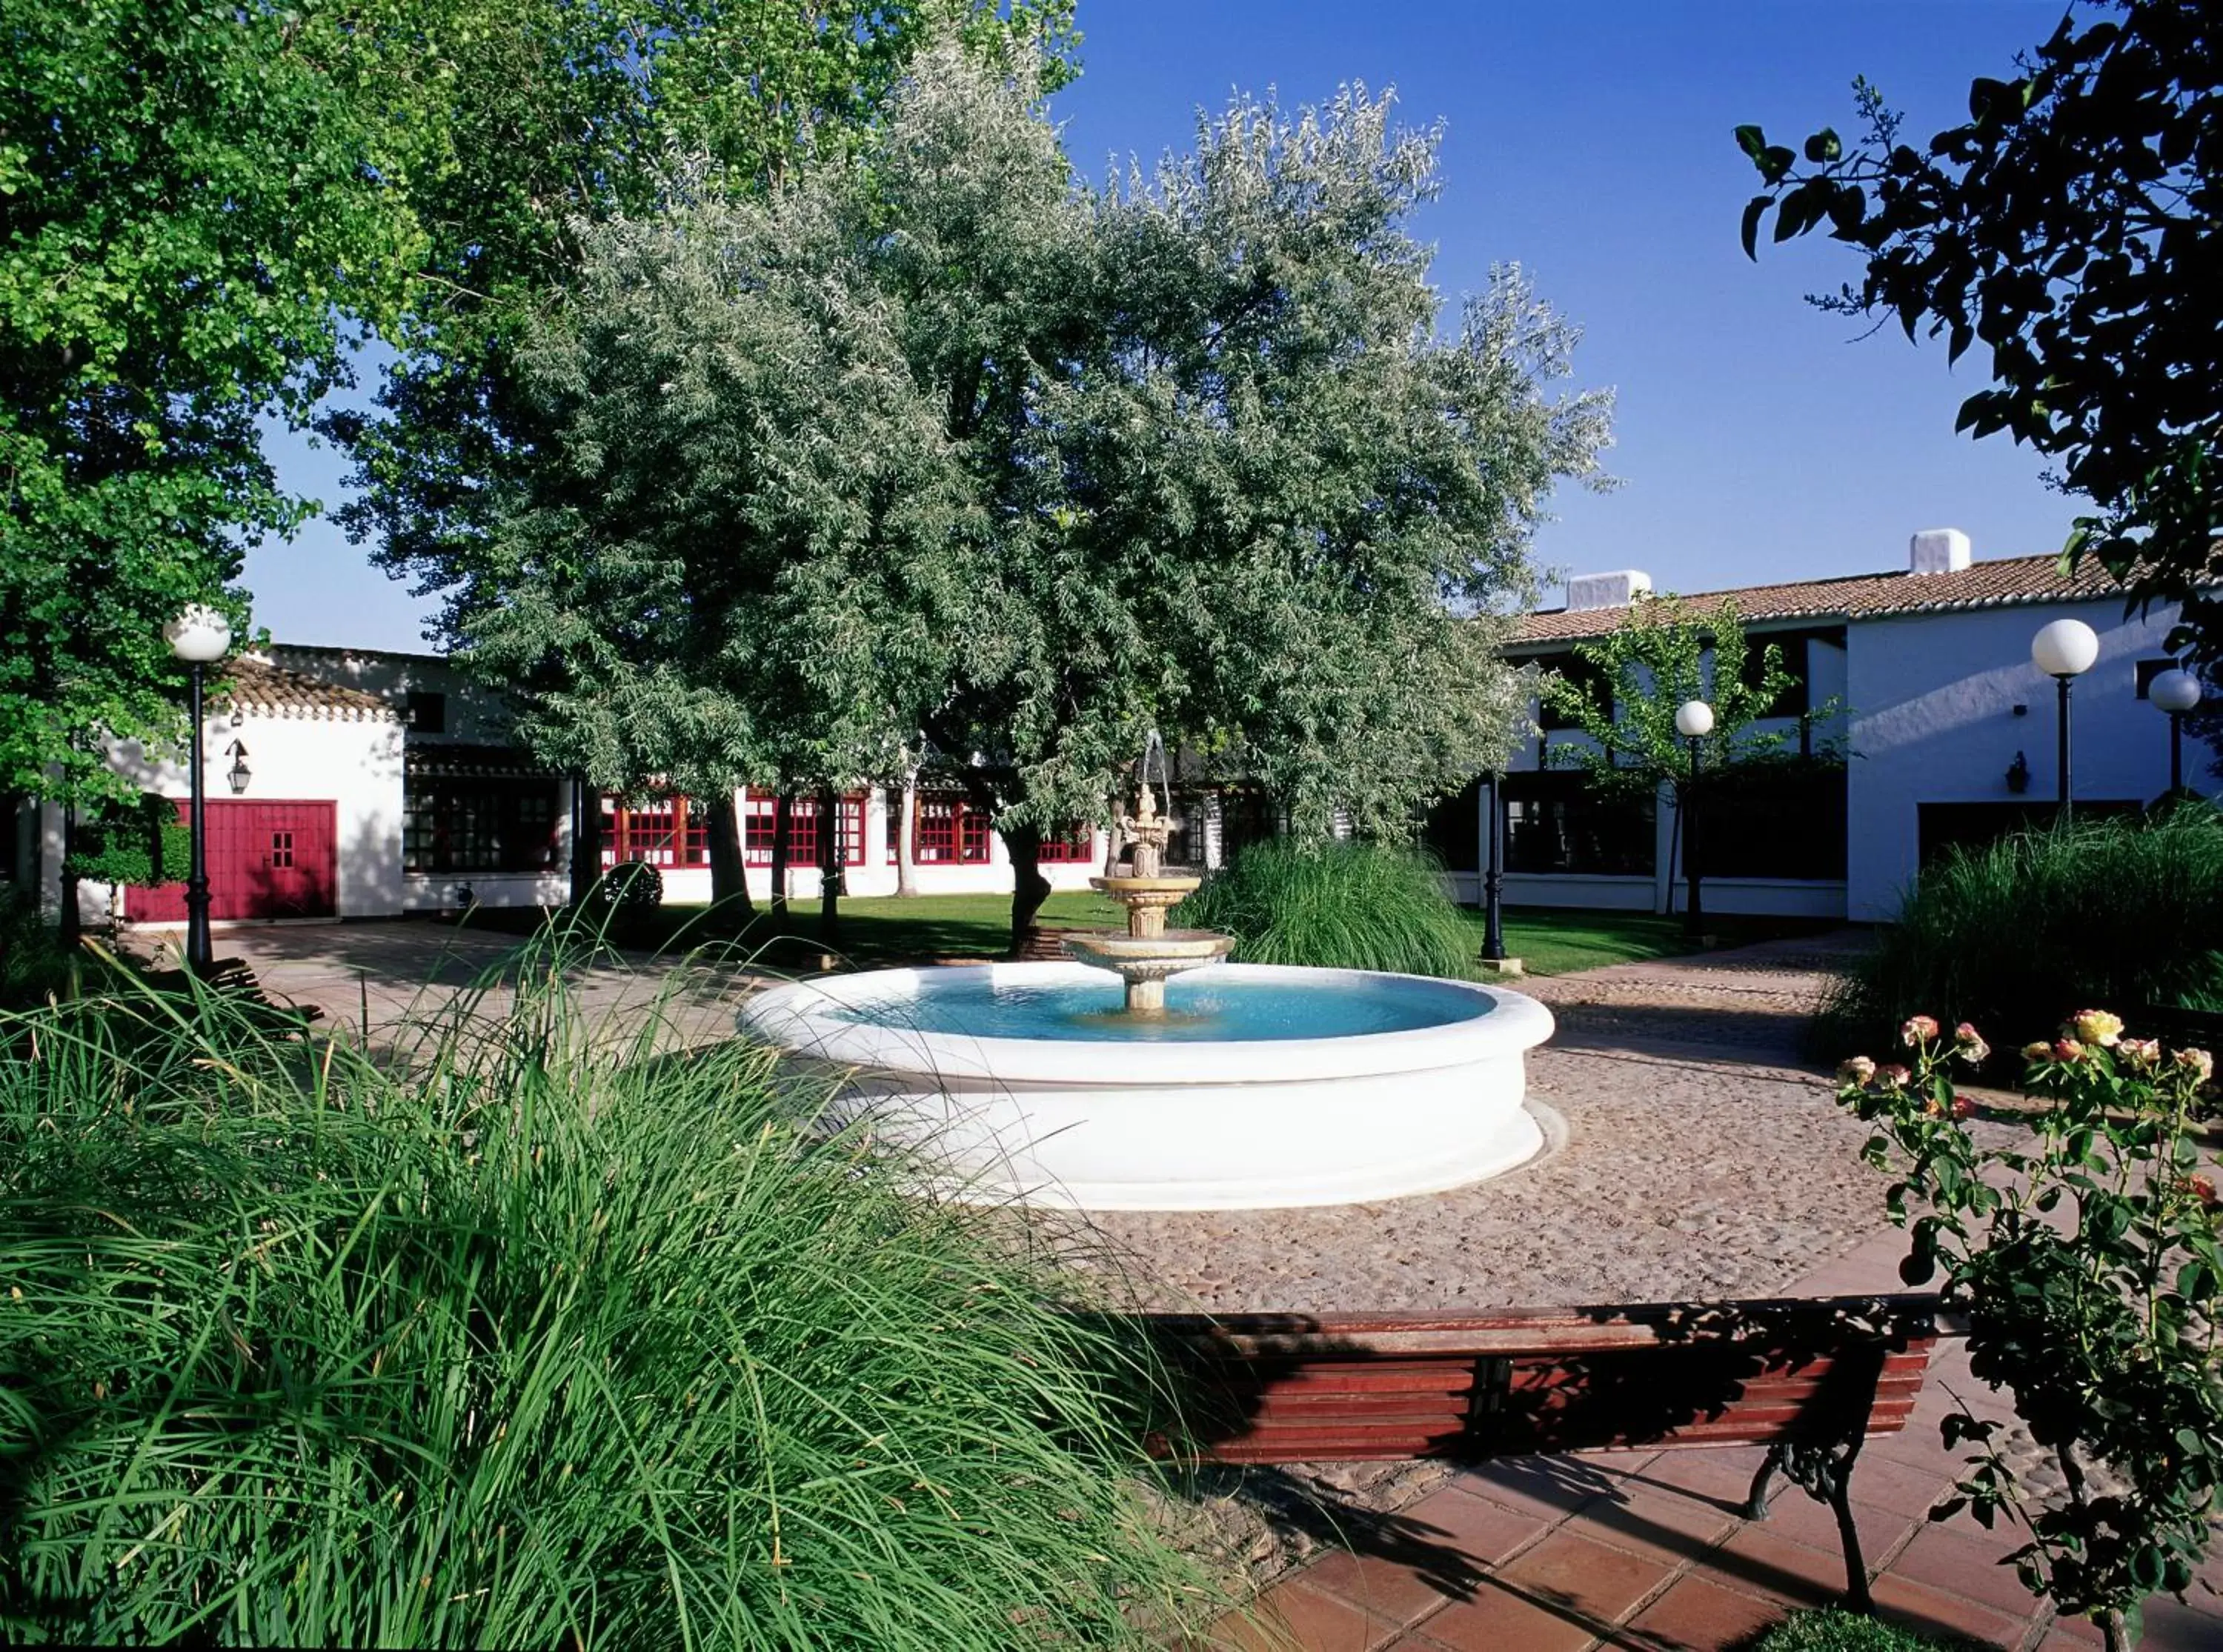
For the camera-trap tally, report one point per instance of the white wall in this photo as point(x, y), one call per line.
point(1934, 721)
point(355, 764)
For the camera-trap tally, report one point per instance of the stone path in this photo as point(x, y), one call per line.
point(1695, 1066)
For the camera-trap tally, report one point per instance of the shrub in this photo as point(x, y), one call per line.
point(2089, 1259)
point(529, 1335)
point(2016, 935)
point(34, 965)
point(139, 843)
point(1338, 905)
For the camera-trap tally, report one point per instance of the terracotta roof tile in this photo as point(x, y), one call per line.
point(1999, 584)
point(254, 684)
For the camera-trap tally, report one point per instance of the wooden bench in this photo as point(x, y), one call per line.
point(1809, 1379)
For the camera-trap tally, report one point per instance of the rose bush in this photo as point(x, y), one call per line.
point(2088, 1259)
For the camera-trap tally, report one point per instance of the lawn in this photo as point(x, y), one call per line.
point(883, 930)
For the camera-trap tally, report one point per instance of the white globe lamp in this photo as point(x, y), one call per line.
point(2176, 692)
point(2064, 650)
point(1694, 719)
point(199, 636)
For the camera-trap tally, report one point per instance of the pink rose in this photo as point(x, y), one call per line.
point(1919, 1030)
point(2197, 1063)
point(2068, 1049)
point(2039, 1050)
point(2201, 1187)
point(1970, 1045)
point(1962, 1107)
point(2139, 1055)
point(2100, 1027)
point(1856, 1069)
point(1894, 1077)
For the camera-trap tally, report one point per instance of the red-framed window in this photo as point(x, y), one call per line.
point(663, 831)
point(1070, 845)
point(759, 822)
point(951, 832)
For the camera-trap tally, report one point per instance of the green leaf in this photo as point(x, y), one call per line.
point(1824, 147)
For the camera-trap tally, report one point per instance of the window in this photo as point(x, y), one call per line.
point(760, 824)
point(1773, 819)
point(1451, 828)
point(428, 713)
point(1583, 674)
point(1070, 845)
point(662, 830)
point(455, 823)
point(951, 832)
point(2147, 670)
point(1556, 822)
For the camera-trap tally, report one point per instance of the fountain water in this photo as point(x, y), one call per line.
point(1237, 1086)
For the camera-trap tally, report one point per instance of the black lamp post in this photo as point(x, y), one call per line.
point(2176, 693)
point(1493, 876)
point(199, 636)
point(1694, 721)
point(2065, 651)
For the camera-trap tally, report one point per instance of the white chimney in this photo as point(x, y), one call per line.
point(1937, 550)
point(1615, 590)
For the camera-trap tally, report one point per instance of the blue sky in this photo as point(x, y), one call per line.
point(1588, 141)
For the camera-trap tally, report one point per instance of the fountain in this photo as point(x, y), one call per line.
point(1145, 1073)
point(1148, 953)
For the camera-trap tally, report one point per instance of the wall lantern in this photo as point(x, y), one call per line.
point(2019, 775)
point(239, 774)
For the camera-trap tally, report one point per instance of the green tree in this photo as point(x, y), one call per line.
point(192, 206)
point(950, 443)
point(2068, 226)
point(1642, 672)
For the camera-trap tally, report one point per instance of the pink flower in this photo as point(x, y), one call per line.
point(1970, 1045)
point(1962, 1107)
point(1855, 1070)
point(1919, 1030)
point(2100, 1027)
point(2201, 1187)
point(2038, 1051)
point(2197, 1063)
point(1894, 1077)
point(2139, 1055)
point(2068, 1049)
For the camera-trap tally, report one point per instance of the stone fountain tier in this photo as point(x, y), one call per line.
point(1148, 953)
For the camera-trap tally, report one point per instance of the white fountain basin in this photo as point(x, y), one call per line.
point(1096, 1109)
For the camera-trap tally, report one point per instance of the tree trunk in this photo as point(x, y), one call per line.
point(71, 919)
point(729, 873)
point(586, 839)
point(906, 831)
point(783, 816)
point(829, 867)
point(1030, 888)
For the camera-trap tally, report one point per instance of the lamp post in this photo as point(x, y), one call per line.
point(2064, 650)
point(1694, 721)
point(1493, 877)
point(199, 636)
point(2176, 693)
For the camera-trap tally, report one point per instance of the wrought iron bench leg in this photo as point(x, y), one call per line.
point(1824, 1471)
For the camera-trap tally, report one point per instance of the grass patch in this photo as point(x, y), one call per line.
point(545, 1335)
point(1831, 1630)
point(2115, 915)
point(1341, 905)
point(1556, 941)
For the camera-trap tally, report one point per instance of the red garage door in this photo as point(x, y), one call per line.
point(265, 860)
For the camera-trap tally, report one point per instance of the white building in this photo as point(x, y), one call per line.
point(1949, 728)
point(355, 783)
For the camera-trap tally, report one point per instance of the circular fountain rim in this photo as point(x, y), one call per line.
point(791, 1015)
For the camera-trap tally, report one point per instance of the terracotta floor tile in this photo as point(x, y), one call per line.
point(1809, 1520)
point(2172, 1626)
point(1457, 1522)
point(2077, 1631)
point(1675, 1526)
point(1901, 1487)
point(1756, 1561)
point(1293, 1615)
point(1932, 1612)
point(1393, 1590)
point(1967, 1564)
point(1497, 1620)
point(1696, 1615)
point(1576, 1573)
point(1548, 1487)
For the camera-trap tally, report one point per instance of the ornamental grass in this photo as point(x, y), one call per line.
point(2021, 932)
point(1341, 905)
point(536, 1332)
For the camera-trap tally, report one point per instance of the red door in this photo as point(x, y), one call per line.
point(265, 860)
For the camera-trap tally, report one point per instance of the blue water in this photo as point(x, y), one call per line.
point(1198, 1007)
